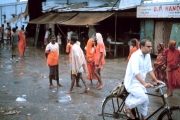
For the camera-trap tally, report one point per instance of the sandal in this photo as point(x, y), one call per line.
point(52, 86)
point(128, 114)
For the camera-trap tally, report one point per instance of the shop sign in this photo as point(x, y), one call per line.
point(161, 11)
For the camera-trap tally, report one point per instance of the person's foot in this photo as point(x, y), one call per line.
point(16, 60)
point(11, 59)
point(87, 89)
point(59, 85)
point(69, 92)
point(78, 86)
point(100, 86)
point(97, 84)
point(128, 113)
point(52, 86)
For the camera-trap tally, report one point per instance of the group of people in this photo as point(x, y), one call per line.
point(91, 62)
point(16, 38)
point(166, 69)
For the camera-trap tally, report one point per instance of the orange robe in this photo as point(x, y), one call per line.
point(131, 52)
point(21, 43)
point(100, 49)
point(173, 60)
point(90, 53)
point(68, 50)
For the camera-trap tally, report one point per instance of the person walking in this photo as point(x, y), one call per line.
point(21, 43)
point(99, 59)
point(78, 64)
point(14, 42)
point(160, 64)
point(90, 53)
point(173, 69)
point(138, 66)
point(52, 55)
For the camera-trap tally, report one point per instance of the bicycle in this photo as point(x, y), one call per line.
point(112, 107)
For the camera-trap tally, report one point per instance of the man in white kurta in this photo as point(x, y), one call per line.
point(138, 66)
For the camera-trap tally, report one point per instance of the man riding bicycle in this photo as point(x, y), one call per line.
point(138, 66)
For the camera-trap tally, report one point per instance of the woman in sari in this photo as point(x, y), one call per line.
point(160, 64)
point(135, 46)
point(90, 52)
point(21, 43)
point(173, 69)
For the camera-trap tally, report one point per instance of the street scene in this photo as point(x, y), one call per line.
point(25, 91)
point(89, 59)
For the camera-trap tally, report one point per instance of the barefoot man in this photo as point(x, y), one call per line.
point(52, 55)
point(78, 63)
point(99, 59)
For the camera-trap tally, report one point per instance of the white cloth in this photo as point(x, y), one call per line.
point(108, 39)
point(69, 35)
point(52, 47)
point(47, 34)
point(138, 64)
point(59, 39)
point(78, 59)
point(100, 40)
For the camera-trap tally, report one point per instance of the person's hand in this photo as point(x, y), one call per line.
point(147, 85)
point(158, 81)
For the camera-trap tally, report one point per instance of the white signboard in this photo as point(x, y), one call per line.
point(125, 4)
point(161, 11)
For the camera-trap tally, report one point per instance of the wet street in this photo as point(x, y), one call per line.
point(25, 93)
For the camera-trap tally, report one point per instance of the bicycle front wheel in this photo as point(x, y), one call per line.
point(112, 108)
point(174, 114)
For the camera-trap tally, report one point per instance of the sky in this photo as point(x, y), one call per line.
point(10, 1)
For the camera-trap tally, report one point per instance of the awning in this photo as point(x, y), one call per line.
point(15, 19)
point(88, 18)
point(52, 18)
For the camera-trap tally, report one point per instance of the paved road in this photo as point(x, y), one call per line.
point(28, 80)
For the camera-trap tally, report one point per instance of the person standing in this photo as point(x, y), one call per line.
point(14, 42)
point(8, 33)
point(47, 34)
point(90, 53)
point(99, 59)
point(78, 64)
point(135, 47)
point(138, 66)
point(52, 55)
point(69, 33)
point(59, 40)
point(21, 43)
point(160, 64)
point(173, 69)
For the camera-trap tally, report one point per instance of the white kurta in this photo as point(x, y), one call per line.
point(138, 64)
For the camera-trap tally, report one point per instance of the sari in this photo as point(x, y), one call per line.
point(160, 64)
point(21, 43)
point(173, 63)
point(90, 52)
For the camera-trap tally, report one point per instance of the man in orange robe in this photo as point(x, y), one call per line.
point(99, 59)
point(173, 69)
point(90, 53)
point(52, 55)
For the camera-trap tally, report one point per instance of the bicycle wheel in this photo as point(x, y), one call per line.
point(112, 108)
point(174, 116)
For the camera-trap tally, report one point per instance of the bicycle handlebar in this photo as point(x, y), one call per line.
point(159, 86)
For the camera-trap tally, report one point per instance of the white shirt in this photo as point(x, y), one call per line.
point(59, 39)
point(47, 34)
point(138, 64)
point(69, 35)
point(52, 47)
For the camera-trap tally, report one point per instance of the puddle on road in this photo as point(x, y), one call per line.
point(9, 66)
point(62, 97)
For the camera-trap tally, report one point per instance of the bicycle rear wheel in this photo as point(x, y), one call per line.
point(112, 108)
point(174, 116)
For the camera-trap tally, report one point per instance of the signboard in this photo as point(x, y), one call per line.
point(161, 11)
point(125, 4)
